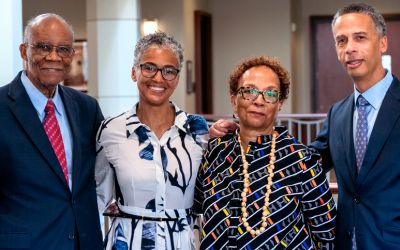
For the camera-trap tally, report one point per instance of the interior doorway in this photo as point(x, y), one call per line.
point(203, 63)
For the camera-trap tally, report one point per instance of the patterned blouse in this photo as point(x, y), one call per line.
point(301, 212)
point(150, 177)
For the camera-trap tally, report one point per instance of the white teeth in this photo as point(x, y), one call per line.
point(159, 89)
point(353, 62)
point(53, 70)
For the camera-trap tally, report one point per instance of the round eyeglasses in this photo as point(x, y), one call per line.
point(269, 95)
point(149, 70)
point(44, 49)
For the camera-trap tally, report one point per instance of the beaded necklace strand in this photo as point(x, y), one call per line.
point(246, 185)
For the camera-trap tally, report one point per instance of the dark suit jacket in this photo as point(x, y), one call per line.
point(37, 209)
point(371, 199)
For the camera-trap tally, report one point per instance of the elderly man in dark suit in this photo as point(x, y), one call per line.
point(361, 136)
point(47, 131)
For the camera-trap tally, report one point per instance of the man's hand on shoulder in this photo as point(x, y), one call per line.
point(222, 127)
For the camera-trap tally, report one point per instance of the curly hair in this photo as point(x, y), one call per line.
point(161, 40)
point(272, 63)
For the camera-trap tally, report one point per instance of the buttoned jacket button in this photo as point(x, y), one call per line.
point(71, 236)
point(356, 199)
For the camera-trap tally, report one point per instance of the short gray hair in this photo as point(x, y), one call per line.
point(161, 40)
point(363, 8)
point(34, 20)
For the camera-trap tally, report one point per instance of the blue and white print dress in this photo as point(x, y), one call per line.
point(150, 177)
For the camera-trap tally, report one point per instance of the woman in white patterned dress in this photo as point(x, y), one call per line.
point(148, 157)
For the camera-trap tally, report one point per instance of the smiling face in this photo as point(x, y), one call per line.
point(45, 72)
point(257, 115)
point(156, 91)
point(359, 48)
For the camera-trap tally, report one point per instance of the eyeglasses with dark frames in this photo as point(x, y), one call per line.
point(269, 95)
point(45, 49)
point(149, 70)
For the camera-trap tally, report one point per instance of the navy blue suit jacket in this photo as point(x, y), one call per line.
point(37, 209)
point(370, 201)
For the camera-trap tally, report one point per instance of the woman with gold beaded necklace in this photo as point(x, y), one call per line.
point(259, 188)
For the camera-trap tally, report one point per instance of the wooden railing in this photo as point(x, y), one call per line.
point(305, 127)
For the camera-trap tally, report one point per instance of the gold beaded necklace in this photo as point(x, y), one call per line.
point(246, 185)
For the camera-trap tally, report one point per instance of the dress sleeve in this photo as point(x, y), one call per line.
point(104, 175)
point(198, 127)
point(317, 202)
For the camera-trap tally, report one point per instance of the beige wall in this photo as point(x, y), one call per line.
point(240, 29)
point(247, 28)
point(72, 10)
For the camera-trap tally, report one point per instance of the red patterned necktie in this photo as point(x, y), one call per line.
point(53, 131)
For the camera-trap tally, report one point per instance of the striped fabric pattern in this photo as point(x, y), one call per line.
point(301, 214)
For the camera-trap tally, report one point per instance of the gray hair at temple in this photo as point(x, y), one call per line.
point(363, 8)
point(38, 18)
point(160, 40)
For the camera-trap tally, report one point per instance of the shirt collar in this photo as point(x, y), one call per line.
point(376, 93)
point(38, 99)
point(132, 120)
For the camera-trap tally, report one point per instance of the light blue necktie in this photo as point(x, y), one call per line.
point(361, 130)
point(361, 141)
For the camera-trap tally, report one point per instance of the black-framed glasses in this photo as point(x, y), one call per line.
point(149, 70)
point(44, 49)
point(269, 95)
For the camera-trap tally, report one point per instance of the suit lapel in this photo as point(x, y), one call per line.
point(72, 110)
point(388, 115)
point(25, 113)
point(346, 122)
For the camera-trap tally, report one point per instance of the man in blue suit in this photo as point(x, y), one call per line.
point(368, 177)
point(47, 200)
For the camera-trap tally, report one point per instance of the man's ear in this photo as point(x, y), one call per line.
point(383, 44)
point(22, 51)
